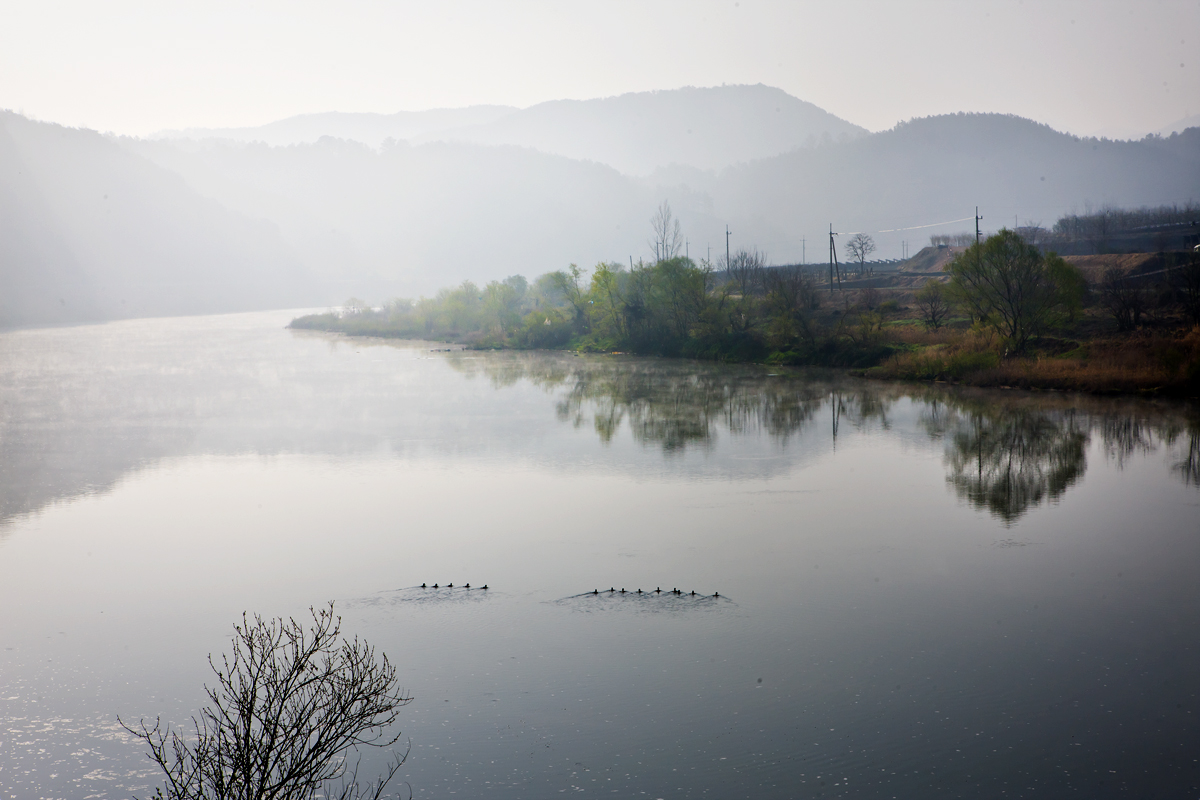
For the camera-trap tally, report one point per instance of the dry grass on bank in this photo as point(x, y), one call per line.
point(1141, 363)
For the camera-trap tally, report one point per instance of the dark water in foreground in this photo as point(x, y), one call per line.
point(923, 592)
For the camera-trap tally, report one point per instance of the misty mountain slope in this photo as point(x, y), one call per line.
point(125, 236)
point(412, 219)
point(97, 228)
point(41, 282)
point(1181, 125)
point(369, 129)
point(940, 168)
point(636, 133)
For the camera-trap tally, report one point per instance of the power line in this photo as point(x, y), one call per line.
point(930, 225)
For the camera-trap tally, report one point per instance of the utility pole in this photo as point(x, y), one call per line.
point(686, 252)
point(831, 258)
point(727, 247)
point(833, 262)
point(803, 258)
point(631, 262)
point(977, 218)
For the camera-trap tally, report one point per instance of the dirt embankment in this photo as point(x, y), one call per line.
point(1094, 266)
point(930, 259)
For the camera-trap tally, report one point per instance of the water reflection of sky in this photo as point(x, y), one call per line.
point(893, 561)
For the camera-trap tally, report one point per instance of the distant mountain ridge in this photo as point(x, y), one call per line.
point(638, 133)
point(95, 227)
point(370, 129)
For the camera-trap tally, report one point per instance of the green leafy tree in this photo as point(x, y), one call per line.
point(791, 298)
point(607, 302)
point(1008, 285)
point(568, 284)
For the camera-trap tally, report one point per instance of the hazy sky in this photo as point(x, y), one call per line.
point(1112, 68)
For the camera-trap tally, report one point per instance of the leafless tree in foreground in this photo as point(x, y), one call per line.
point(288, 706)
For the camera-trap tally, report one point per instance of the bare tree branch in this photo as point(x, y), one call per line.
point(288, 704)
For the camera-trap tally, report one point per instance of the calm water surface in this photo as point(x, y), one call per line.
point(923, 592)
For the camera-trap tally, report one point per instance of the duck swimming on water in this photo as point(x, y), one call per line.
point(435, 586)
point(423, 586)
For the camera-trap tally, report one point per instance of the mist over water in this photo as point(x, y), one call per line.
point(923, 591)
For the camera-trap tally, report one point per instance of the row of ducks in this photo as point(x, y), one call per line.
point(451, 586)
point(657, 590)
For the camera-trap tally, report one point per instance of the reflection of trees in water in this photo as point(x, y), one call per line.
point(1125, 435)
point(1005, 453)
point(1011, 459)
point(677, 408)
point(1188, 465)
point(1009, 453)
point(677, 404)
point(859, 408)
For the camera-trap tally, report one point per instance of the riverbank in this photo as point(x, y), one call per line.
point(1070, 328)
point(1143, 363)
point(1148, 363)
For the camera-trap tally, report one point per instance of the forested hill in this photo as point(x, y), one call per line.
point(940, 168)
point(193, 226)
point(89, 230)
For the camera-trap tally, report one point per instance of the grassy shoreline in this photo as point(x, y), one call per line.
point(1146, 363)
point(1000, 314)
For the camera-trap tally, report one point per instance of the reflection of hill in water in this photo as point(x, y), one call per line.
point(81, 408)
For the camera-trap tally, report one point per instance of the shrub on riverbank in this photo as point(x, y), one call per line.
point(674, 307)
point(1157, 362)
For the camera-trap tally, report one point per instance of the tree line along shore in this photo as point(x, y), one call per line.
point(1001, 312)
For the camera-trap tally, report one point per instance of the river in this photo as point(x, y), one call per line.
point(901, 591)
